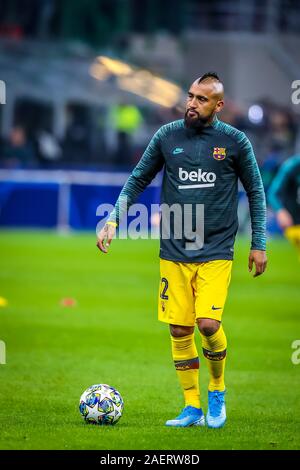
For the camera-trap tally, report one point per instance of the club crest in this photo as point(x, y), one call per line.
point(219, 153)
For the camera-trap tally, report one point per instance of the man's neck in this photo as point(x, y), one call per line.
point(211, 121)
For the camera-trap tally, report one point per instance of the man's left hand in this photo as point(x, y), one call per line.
point(259, 258)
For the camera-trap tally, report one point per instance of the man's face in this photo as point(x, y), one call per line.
point(203, 101)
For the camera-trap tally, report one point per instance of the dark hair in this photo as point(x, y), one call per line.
point(208, 75)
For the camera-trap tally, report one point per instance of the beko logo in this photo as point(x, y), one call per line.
point(206, 179)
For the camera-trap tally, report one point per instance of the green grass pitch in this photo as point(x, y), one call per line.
point(113, 336)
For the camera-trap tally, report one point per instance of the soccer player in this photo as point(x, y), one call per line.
point(202, 159)
point(284, 198)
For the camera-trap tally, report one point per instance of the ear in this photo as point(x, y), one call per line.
point(219, 106)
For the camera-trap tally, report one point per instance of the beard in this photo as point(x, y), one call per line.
point(196, 122)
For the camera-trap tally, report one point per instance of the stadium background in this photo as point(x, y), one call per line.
point(87, 85)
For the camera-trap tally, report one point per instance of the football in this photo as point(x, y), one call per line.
point(101, 404)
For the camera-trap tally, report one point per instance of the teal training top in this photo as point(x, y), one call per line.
point(201, 167)
point(285, 188)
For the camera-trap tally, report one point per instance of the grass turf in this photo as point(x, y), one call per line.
point(113, 336)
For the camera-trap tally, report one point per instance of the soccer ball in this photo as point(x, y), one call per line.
point(101, 404)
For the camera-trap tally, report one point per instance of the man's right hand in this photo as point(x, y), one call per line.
point(105, 236)
point(284, 219)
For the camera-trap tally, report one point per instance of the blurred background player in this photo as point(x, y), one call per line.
point(284, 198)
point(195, 280)
point(125, 119)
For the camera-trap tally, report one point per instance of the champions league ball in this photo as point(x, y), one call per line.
point(101, 404)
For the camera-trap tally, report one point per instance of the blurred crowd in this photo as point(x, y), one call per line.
point(110, 138)
point(115, 138)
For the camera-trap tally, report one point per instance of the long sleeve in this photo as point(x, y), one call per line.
point(149, 165)
point(279, 189)
point(250, 177)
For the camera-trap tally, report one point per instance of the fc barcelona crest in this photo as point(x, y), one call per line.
point(219, 153)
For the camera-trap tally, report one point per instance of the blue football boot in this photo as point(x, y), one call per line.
point(216, 415)
point(190, 416)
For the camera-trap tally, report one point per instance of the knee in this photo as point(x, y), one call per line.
point(208, 326)
point(178, 331)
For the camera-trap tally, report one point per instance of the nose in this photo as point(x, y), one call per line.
point(193, 103)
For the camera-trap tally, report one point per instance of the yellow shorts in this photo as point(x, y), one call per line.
point(192, 290)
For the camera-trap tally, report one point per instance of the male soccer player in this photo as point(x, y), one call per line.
point(202, 159)
point(284, 198)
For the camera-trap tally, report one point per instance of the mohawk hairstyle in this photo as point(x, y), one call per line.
point(209, 75)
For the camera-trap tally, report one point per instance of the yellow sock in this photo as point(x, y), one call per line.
point(186, 360)
point(214, 350)
point(293, 235)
